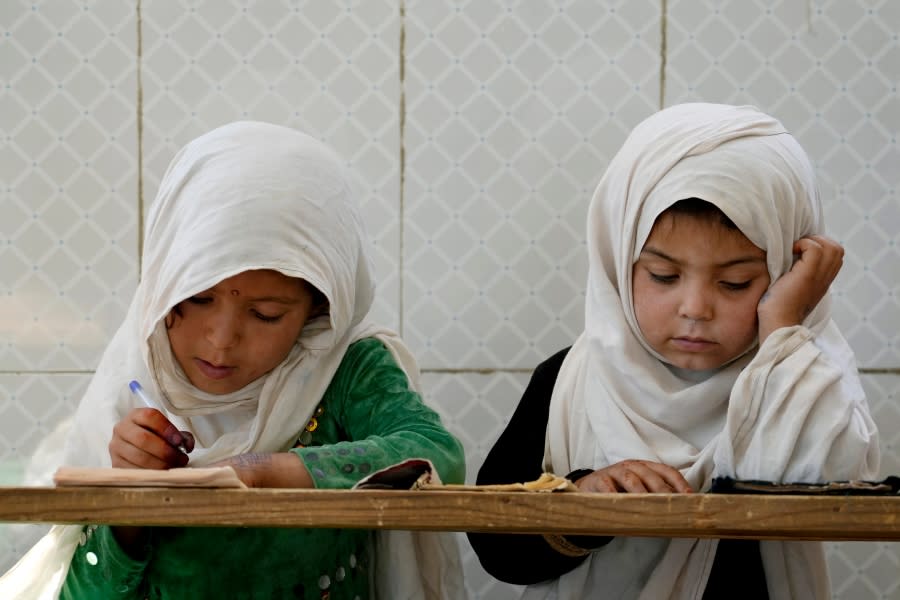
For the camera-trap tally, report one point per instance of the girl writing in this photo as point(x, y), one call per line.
point(250, 327)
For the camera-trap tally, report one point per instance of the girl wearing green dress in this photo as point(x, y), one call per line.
point(250, 330)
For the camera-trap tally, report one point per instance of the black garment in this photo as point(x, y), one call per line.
point(737, 571)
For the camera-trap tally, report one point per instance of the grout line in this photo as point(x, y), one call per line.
point(809, 17)
point(139, 100)
point(402, 166)
point(444, 371)
point(485, 371)
point(490, 370)
point(51, 372)
point(663, 51)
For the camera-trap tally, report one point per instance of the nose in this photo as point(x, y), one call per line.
point(222, 330)
point(696, 303)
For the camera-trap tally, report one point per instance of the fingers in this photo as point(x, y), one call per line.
point(146, 439)
point(796, 293)
point(635, 476)
point(822, 256)
point(188, 441)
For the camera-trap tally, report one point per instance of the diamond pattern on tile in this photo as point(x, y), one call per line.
point(31, 406)
point(68, 175)
point(868, 570)
point(863, 570)
point(513, 112)
point(475, 408)
point(883, 394)
point(329, 69)
point(829, 72)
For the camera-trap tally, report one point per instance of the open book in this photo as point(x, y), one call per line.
point(412, 474)
point(205, 477)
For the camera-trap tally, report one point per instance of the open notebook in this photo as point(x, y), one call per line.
point(206, 477)
point(412, 474)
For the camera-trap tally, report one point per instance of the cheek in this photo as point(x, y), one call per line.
point(282, 345)
point(178, 340)
point(743, 324)
point(280, 342)
point(648, 308)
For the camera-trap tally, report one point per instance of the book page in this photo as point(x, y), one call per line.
point(206, 477)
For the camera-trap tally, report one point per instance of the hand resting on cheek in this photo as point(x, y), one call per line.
point(796, 293)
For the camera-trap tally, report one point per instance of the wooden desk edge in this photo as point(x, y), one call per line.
point(654, 515)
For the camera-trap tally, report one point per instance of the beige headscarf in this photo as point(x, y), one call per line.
point(791, 410)
point(246, 196)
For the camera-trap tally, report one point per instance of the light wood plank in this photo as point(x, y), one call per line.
point(663, 515)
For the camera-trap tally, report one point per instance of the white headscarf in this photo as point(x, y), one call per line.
point(245, 196)
point(792, 410)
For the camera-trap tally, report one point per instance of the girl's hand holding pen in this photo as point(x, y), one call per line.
point(146, 439)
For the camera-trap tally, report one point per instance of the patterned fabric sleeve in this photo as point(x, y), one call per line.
point(370, 419)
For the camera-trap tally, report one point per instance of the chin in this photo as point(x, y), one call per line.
point(695, 363)
point(217, 388)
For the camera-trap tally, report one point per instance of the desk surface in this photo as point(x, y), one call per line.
point(656, 515)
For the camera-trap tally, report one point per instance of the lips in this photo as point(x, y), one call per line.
point(692, 344)
point(213, 371)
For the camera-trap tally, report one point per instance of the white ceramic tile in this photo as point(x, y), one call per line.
point(883, 394)
point(330, 69)
point(513, 112)
point(31, 406)
point(829, 72)
point(476, 408)
point(68, 180)
point(864, 570)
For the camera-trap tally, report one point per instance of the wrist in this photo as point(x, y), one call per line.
point(770, 324)
point(272, 470)
point(577, 474)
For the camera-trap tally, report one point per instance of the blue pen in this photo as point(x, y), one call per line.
point(138, 391)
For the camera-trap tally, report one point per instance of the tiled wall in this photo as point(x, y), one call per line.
point(478, 129)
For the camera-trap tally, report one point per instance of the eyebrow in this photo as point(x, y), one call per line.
point(737, 261)
point(278, 299)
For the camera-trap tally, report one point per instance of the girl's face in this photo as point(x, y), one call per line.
point(238, 330)
point(696, 286)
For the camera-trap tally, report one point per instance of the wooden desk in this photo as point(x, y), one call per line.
point(656, 515)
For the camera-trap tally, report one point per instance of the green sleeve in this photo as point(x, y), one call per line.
point(377, 421)
point(100, 569)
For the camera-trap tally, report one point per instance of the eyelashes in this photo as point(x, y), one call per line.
point(267, 318)
point(204, 301)
point(728, 285)
point(664, 279)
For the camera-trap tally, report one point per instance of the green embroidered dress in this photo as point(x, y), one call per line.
point(368, 419)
